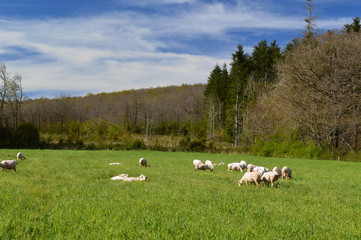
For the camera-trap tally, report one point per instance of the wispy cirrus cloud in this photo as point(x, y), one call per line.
point(138, 47)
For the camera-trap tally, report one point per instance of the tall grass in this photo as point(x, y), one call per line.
point(58, 194)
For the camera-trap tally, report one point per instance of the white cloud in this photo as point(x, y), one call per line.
point(120, 50)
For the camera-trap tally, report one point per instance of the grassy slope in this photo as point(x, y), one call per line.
point(68, 195)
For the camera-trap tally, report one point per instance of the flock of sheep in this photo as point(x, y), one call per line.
point(255, 174)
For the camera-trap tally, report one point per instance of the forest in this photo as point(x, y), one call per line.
point(302, 101)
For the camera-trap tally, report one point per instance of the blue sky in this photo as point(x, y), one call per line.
point(75, 47)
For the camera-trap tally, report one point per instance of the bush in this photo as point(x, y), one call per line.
point(286, 143)
point(136, 144)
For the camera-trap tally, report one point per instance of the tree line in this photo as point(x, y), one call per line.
point(303, 101)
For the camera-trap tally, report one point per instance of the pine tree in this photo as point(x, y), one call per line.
point(353, 27)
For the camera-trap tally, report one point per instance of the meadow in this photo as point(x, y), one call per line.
point(63, 194)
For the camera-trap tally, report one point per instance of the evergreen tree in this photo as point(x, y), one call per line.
point(264, 59)
point(215, 94)
point(353, 27)
point(240, 69)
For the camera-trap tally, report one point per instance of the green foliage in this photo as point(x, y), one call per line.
point(136, 144)
point(68, 195)
point(355, 26)
point(25, 136)
point(192, 145)
point(286, 143)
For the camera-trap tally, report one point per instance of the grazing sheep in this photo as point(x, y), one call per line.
point(276, 169)
point(143, 162)
point(120, 177)
point(8, 164)
point(204, 167)
point(250, 167)
point(260, 169)
point(20, 156)
point(250, 177)
point(270, 177)
point(286, 172)
point(234, 167)
point(114, 163)
point(243, 164)
point(133, 179)
point(197, 163)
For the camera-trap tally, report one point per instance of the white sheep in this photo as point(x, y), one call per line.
point(133, 179)
point(204, 167)
point(243, 164)
point(250, 167)
point(276, 169)
point(114, 163)
point(286, 172)
point(250, 177)
point(270, 177)
point(8, 164)
point(209, 163)
point(197, 163)
point(234, 167)
point(20, 156)
point(120, 177)
point(260, 169)
point(143, 162)
point(124, 177)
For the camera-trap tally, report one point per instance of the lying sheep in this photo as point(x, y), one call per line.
point(114, 163)
point(196, 163)
point(270, 177)
point(125, 178)
point(8, 164)
point(250, 177)
point(143, 162)
point(209, 163)
point(286, 172)
point(133, 179)
point(120, 177)
point(204, 167)
point(20, 156)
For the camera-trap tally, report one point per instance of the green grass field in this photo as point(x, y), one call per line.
point(58, 194)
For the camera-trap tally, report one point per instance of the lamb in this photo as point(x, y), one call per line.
point(8, 164)
point(270, 177)
point(143, 162)
point(250, 177)
point(20, 156)
point(196, 163)
point(286, 172)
